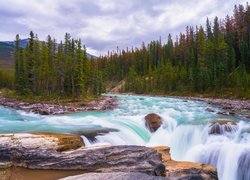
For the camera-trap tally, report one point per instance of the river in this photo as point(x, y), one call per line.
point(186, 129)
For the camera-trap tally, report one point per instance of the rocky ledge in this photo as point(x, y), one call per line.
point(176, 170)
point(44, 152)
point(103, 103)
point(229, 106)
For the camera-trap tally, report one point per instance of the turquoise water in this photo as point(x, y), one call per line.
point(185, 130)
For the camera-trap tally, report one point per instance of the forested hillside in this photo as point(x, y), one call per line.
point(213, 58)
point(45, 68)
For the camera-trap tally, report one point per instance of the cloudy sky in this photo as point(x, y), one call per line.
point(105, 24)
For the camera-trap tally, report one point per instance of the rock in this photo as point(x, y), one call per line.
point(103, 103)
point(223, 113)
point(153, 121)
point(115, 176)
point(237, 106)
point(222, 126)
point(92, 133)
point(53, 141)
point(232, 113)
point(102, 159)
point(185, 170)
point(209, 110)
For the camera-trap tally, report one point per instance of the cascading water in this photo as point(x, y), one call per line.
point(193, 133)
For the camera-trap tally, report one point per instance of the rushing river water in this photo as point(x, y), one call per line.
point(186, 129)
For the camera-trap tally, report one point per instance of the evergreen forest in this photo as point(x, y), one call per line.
point(214, 58)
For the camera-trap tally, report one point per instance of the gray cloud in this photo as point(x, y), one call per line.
point(105, 24)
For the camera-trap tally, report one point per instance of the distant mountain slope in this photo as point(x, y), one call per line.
point(7, 56)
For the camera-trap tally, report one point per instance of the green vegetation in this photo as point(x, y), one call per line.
point(211, 60)
point(50, 69)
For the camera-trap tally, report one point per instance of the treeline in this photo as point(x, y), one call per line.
point(200, 60)
point(214, 58)
point(48, 68)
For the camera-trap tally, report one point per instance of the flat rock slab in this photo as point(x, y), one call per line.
point(105, 159)
point(115, 176)
point(46, 141)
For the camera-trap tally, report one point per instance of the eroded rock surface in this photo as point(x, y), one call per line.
point(185, 170)
point(103, 159)
point(41, 141)
point(40, 152)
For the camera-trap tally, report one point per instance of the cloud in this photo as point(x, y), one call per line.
point(105, 24)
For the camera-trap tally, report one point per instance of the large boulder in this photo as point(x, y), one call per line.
point(101, 159)
point(153, 121)
point(40, 152)
point(222, 126)
point(185, 170)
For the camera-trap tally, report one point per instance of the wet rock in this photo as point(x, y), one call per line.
point(209, 110)
point(232, 113)
point(222, 126)
point(153, 121)
point(92, 133)
point(222, 113)
point(115, 176)
point(185, 170)
point(101, 159)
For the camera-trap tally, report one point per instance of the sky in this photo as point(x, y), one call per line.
point(107, 24)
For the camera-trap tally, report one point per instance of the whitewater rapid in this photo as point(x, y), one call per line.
point(186, 129)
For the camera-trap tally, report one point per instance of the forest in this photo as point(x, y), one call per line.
point(48, 68)
point(210, 59)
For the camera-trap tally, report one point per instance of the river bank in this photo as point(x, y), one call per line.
point(228, 106)
point(235, 107)
point(101, 104)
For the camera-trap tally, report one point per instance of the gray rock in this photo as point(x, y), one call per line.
point(115, 176)
point(105, 159)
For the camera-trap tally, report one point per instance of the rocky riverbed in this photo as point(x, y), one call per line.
point(228, 106)
point(43, 152)
point(103, 103)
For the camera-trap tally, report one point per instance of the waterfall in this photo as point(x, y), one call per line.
point(192, 133)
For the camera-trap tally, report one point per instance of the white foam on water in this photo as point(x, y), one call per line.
point(185, 129)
